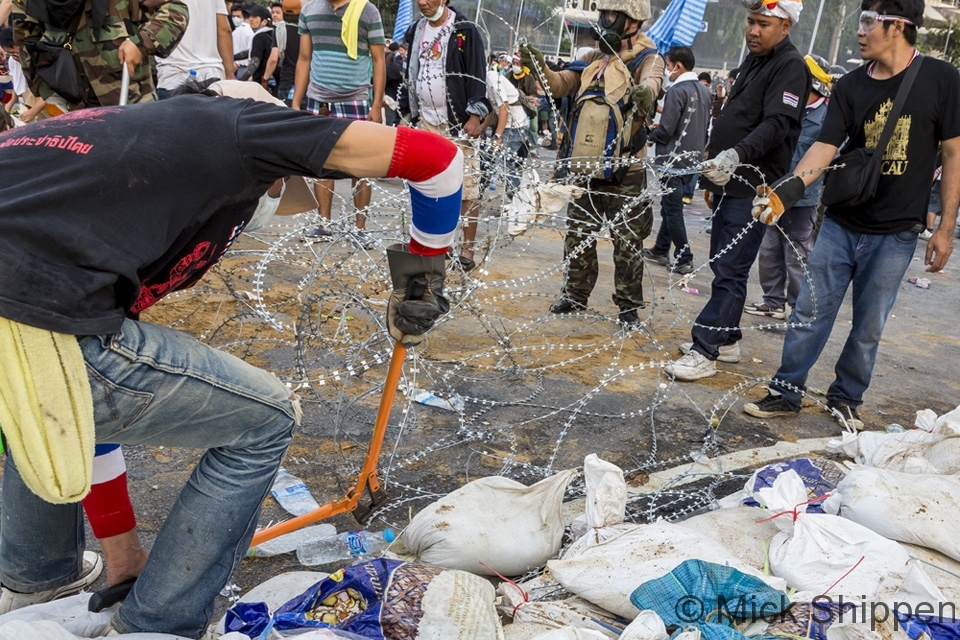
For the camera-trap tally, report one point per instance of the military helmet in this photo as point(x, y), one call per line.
point(636, 9)
point(820, 73)
point(291, 7)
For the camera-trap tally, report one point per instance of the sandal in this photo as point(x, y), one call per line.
point(466, 263)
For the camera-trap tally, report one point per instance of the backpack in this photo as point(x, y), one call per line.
point(596, 128)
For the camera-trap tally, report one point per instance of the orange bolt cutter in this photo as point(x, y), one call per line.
point(367, 480)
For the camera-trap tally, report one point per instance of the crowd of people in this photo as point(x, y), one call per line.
point(324, 79)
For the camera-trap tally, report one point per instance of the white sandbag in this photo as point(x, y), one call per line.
point(277, 590)
point(509, 527)
point(606, 501)
point(738, 530)
point(607, 573)
point(932, 447)
point(943, 571)
point(524, 630)
point(514, 602)
point(66, 619)
point(570, 633)
point(825, 553)
point(923, 510)
point(646, 626)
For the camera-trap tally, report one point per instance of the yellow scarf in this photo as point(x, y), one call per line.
point(46, 410)
point(350, 27)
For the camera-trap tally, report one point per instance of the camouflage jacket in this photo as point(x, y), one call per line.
point(155, 26)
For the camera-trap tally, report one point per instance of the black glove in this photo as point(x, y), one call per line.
point(529, 53)
point(417, 300)
point(773, 202)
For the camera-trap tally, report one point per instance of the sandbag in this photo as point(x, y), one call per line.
point(381, 599)
point(570, 633)
point(607, 573)
point(932, 446)
point(553, 614)
point(64, 619)
point(922, 510)
point(506, 525)
point(942, 570)
point(646, 626)
point(606, 501)
point(739, 530)
point(818, 552)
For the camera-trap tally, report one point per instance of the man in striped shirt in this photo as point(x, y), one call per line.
point(341, 48)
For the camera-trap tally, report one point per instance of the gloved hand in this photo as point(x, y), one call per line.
point(412, 313)
point(724, 166)
point(771, 202)
point(642, 96)
point(529, 53)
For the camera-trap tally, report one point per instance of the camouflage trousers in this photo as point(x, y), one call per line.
point(631, 220)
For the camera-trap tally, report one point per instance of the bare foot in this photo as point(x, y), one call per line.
point(124, 556)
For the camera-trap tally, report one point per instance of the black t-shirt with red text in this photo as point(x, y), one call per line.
point(104, 211)
point(856, 114)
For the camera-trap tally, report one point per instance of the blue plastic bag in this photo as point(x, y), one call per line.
point(820, 476)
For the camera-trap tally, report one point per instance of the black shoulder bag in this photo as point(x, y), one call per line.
point(856, 181)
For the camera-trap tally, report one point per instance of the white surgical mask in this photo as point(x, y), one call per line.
point(517, 70)
point(237, 21)
point(437, 15)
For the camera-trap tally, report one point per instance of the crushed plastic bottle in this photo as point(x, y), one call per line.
point(291, 541)
point(346, 546)
point(292, 494)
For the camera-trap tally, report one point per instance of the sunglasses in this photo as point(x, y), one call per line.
point(870, 19)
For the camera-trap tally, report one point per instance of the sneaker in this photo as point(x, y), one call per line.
point(92, 567)
point(317, 235)
point(363, 239)
point(763, 309)
point(926, 235)
point(687, 200)
point(661, 259)
point(628, 318)
point(770, 407)
point(683, 268)
point(728, 352)
point(566, 305)
point(845, 414)
point(693, 366)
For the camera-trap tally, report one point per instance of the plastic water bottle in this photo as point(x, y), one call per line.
point(292, 494)
point(346, 546)
point(193, 74)
point(290, 541)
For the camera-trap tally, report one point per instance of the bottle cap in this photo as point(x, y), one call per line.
point(389, 535)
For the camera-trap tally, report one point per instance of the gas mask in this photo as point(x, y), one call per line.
point(609, 31)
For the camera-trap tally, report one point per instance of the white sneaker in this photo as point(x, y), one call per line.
point(926, 235)
point(692, 366)
point(92, 567)
point(728, 353)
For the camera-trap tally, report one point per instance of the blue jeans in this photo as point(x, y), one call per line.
point(875, 264)
point(690, 186)
point(153, 385)
point(718, 324)
point(672, 228)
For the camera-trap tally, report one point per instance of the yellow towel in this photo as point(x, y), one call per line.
point(46, 410)
point(350, 29)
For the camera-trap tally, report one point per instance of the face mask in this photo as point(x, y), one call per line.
point(610, 31)
point(237, 21)
point(437, 15)
point(517, 70)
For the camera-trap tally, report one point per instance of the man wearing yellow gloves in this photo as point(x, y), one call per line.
point(84, 249)
point(868, 240)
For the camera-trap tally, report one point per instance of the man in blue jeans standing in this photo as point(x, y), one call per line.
point(76, 269)
point(752, 139)
point(868, 245)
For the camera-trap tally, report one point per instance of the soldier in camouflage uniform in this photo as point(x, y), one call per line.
point(605, 200)
point(101, 34)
